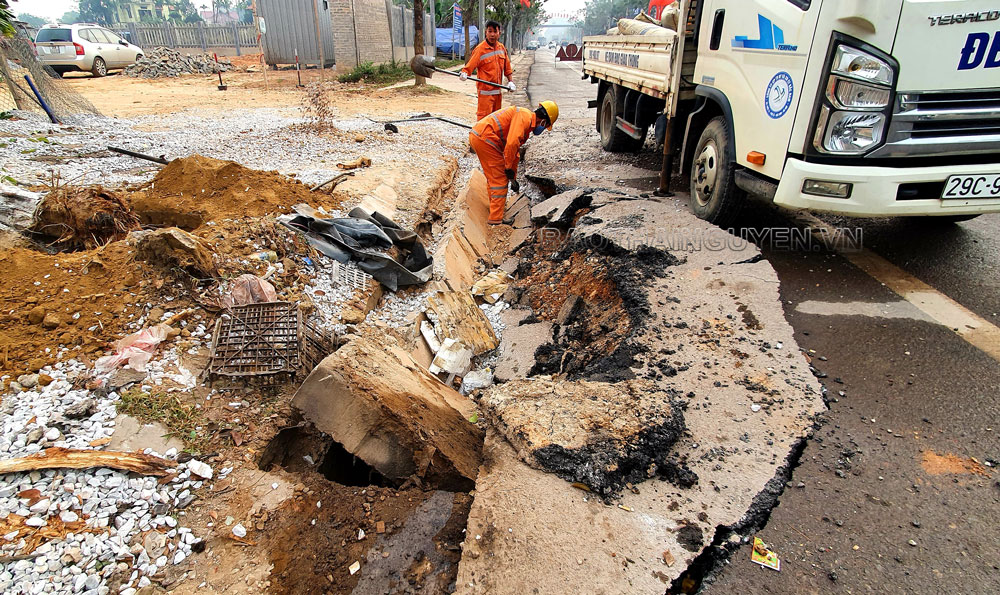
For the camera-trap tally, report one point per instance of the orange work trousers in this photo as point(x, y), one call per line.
point(496, 181)
point(488, 103)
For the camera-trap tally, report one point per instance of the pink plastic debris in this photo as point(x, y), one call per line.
point(136, 349)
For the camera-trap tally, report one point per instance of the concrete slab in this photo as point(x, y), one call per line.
point(518, 344)
point(131, 434)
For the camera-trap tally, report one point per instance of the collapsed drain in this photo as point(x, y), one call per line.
point(300, 449)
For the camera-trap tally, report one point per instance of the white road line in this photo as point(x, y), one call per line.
point(975, 329)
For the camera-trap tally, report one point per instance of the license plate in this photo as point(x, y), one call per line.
point(974, 186)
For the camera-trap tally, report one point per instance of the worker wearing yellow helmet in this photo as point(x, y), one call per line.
point(497, 141)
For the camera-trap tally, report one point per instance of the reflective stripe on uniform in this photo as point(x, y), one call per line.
point(499, 126)
point(491, 92)
point(498, 188)
point(490, 54)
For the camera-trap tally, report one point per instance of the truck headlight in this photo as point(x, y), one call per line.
point(861, 65)
point(855, 108)
point(853, 132)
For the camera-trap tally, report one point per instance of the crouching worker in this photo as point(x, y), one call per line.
point(497, 141)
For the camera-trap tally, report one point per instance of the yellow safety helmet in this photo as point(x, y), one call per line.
point(552, 110)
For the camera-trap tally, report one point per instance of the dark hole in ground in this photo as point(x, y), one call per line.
point(290, 448)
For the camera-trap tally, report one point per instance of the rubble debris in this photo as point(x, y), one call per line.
point(476, 380)
point(453, 358)
point(363, 300)
point(257, 340)
point(596, 433)
point(159, 62)
point(134, 350)
point(492, 286)
point(456, 316)
point(316, 344)
point(384, 408)
point(67, 458)
point(249, 289)
point(560, 209)
point(357, 163)
point(520, 342)
point(172, 247)
point(84, 217)
point(365, 239)
point(17, 207)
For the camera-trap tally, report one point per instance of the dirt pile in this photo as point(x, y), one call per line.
point(192, 190)
point(76, 300)
point(172, 247)
point(84, 217)
point(596, 433)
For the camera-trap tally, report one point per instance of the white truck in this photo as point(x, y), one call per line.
point(867, 108)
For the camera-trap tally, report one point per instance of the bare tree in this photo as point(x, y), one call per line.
point(418, 35)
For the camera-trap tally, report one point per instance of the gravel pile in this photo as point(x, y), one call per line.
point(165, 62)
point(262, 138)
point(117, 507)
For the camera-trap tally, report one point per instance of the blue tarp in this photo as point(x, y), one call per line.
point(445, 36)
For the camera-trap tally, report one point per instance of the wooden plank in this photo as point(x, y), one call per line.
point(66, 458)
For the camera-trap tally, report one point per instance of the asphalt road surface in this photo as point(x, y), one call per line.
point(897, 491)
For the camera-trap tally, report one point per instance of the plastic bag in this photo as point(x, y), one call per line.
point(136, 349)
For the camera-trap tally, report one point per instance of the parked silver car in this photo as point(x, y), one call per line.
point(83, 46)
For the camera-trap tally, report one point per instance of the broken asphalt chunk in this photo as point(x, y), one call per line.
point(596, 433)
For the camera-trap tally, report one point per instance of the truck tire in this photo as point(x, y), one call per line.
point(612, 138)
point(714, 194)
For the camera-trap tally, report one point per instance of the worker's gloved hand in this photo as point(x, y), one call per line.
point(515, 186)
point(511, 86)
point(463, 76)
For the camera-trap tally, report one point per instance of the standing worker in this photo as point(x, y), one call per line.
point(491, 59)
point(497, 141)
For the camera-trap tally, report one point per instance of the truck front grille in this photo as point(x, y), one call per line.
point(944, 123)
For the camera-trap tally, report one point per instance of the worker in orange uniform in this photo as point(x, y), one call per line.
point(491, 60)
point(497, 141)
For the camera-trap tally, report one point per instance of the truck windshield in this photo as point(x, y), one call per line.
point(53, 35)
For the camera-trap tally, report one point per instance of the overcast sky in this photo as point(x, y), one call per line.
point(49, 9)
point(53, 9)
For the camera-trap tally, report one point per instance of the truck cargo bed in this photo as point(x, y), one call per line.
point(640, 62)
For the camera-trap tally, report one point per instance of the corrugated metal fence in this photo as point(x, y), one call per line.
point(200, 35)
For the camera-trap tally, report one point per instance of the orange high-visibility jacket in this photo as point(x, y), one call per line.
point(493, 64)
point(506, 130)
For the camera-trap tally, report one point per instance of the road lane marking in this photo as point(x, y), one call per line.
point(968, 325)
point(901, 309)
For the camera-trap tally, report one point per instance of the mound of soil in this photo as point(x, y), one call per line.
point(78, 300)
point(192, 190)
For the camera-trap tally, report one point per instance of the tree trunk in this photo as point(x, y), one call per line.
point(468, 49)
point(418, 35)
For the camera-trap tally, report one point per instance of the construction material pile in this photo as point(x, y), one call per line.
point(165, 62)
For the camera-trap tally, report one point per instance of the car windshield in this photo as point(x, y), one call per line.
point(53, 35)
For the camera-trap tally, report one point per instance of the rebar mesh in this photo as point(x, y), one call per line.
point(17, 58)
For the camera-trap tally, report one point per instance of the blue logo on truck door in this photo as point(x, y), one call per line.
point(778, 96)
point(769, 37)
point(975, 53)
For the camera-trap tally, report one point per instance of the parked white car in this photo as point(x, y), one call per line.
point(85, 47)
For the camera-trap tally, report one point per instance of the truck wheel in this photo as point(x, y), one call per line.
point(613, 139)
point(714, 195)
point(100, 68)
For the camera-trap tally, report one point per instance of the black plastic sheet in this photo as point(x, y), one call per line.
point(357, 238)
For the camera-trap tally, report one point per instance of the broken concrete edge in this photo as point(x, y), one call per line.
point(727, 539)
point(378, 403)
